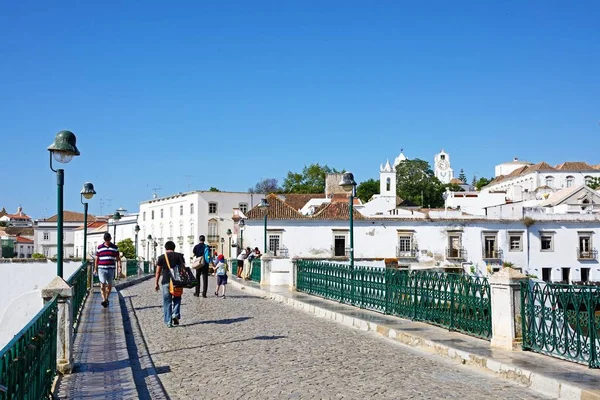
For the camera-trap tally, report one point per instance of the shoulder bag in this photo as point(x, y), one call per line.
point(181, 276)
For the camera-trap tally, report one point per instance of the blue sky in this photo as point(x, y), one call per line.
point(231, 92)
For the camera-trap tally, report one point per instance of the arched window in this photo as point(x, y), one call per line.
point(244, 208)
point(588, 180)
point(388, 184)
point(570, 181)
point(550, 181)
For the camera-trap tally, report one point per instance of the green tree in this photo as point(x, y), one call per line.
point(417, 183)
point(365, 190)
point(482, 182)
point(127, 248)
point(3, 223)
point(269, 185)
point(594, 183)
point(474, 181)
point(213, 189)
point(462, 176)
point(310, 180)
point(453, 187)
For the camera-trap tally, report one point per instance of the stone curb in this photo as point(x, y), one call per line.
point(133, 281)
point(542, 384)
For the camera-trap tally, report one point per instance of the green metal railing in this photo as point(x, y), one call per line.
point(131, 267)
point(78, 281)
point(146, 267)
point(28, 362)
point(457, 302)
point(255, 273)
point(562, 321)
point(233, 266)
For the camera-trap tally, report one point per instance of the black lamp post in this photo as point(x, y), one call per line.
point(136, 230)
point(148, 246)
point(222, 244)
point(62, 150)
point(116, 217)
point(229, 236)
point(242, 225)
point(87, 192)
point(349, 184)
point(264, 206)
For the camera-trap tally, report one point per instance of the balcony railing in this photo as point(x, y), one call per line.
point(346, 252)
point(412, 253)
point(212, 238)
point(587, 254)
point(495, 254)
point(456, 254)
point(281, 251)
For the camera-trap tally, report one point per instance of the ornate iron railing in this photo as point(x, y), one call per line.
point(255, 273)
point(487, 254)
point(587, 254)
point(233, 266)
point(562, 321)
point(456, 302)
point(412, 253)
point(131, 267)
point(458, 254)
point(28, 362)
point(146, 267)
point(78, 281)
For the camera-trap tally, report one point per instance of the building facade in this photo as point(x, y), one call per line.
point(45, 234)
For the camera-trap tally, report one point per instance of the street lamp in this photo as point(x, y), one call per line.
point(445, 196)
point(116, 217)
point(155, 245)
point(222, 244)
point(348, 184)
point(264, 206)
point(136, 230)
point(149, 243)
point(62, 150)
point(87, 192)
point(229, 236)
point(242, 225)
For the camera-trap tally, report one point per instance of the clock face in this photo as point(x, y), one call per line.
point(443, 164)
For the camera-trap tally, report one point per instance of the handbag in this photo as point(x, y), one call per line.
point(199, 262)
point(181, 276)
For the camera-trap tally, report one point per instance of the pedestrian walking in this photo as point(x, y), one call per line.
point(221, 270)
point(171, 295)
point(106, 261)
point(202, 250)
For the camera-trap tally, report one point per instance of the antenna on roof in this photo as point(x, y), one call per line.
point(155, 192)
point(187, 178)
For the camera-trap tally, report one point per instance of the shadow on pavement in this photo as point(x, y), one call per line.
point(273, 337)
point(226, 321)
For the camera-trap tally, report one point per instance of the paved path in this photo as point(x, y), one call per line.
point(247, 347)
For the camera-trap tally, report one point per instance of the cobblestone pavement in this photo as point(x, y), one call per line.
point(247, 347)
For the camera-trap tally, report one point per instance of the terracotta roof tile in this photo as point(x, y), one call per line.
point(336, 211)
point(278, 209)
point(21, 239)
point(456, 181)
point(299, 200)
point(542, 166)
point(574, 166)
point(71, 216)
point(22, 217)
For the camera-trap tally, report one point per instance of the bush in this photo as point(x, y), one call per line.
point(38, 256)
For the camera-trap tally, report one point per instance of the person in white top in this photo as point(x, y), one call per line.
point(240, 263)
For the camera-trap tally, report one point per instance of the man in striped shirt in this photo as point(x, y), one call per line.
point(107, 260)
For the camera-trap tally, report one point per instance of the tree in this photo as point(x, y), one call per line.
point(482, 182)
point(213, 189)
point(417, 183)
point(310, 180)
point(3, 223)
point(365, 190)
point(453, 187)
point(269, 185)
point(462, 176)
point(127, 248)
point(474, 181)
point(593, 183)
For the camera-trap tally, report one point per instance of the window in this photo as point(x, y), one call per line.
point(550, 181)
point(274, 244)
point(192, 208)
point(454, 246)
point(585, 274)
point(181, 210)
point(161, 213)
point(46, 236)
point(585, 250)
point(566, 272)
point(547, 242)
point(181, 229)
point(339, 245)
point(144, 216)
point(192, 232)
point(515, 241)
point(388, 184)
point(170, 230)
point(489, 245)
point(212, 230)
point(243, 208)
point(588, 180)
point(212, 208)
point(570, 181)
point(152, 215)
point(404, 243)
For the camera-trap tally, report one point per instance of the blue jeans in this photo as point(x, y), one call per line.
point(171, 305)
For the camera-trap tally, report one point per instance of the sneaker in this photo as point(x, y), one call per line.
point(204, 295)
point(169, 325)
point(175, 321)
point(104, 304)
point(223, 296)
point(217, 294)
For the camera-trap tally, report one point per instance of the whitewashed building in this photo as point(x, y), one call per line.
point(45, 234)
point(183, 217)
point(95, 236)
point(19, 219)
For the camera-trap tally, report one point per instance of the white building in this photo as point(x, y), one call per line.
point(95, 236)
point(45, 234)
point(23, 247)
point(183, 217)
point(442, 169)
point(19, 219)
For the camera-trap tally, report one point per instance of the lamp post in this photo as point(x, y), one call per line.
point(229, 236)
point(116, 217)
point(222, 244)
point(149, 244)
point(87, 192)
point(242, 225)
point(136, 230)
point(62, 150)
point(264, 206)
point(155, 245)
point(349, 184)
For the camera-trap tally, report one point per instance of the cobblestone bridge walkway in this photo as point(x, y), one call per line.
point(247, 347)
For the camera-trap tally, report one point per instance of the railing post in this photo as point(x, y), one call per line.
point(591, 307)
point(64, 323)
point(265, 269)
point(505, 296)
point(294, 280)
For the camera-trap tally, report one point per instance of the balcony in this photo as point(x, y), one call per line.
point(212, 238)
point(191, 239)
point(495, 254)
point(346, 252)
point(456, 254)
point(406, 254)
point(281, 251)
point(587, 255)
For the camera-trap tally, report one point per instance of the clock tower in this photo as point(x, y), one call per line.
point(441, 167)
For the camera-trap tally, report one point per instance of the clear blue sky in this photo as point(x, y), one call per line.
point(232, 92)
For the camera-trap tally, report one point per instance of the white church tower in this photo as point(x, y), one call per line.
point(387, 180)
point(442, 169)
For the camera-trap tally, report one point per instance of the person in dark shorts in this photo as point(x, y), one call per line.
point(221, 269)
point(240, 263)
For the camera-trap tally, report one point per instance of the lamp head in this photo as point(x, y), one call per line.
point(222, 240)
point(264, 204)
point(116, 216)
point(88, 190)
point(136, 229)
point(347, 183)
point(149, 237)
point(242, 223)
point(229, 232)
point(64, 147)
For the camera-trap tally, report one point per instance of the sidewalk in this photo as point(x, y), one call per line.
point(546, 375)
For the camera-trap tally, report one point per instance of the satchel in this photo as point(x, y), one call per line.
point(181, 276)
point(199, 262)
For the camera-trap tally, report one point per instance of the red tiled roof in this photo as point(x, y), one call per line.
point(456, 181)
point(299, 200)
point(278, 209)
point(71, 216)
point(574, 166)
point(21, 217)
point(21, 239)
point(93, 225)
point(336, 211)
point(542, 166)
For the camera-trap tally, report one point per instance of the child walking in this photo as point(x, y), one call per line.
point(221, 270)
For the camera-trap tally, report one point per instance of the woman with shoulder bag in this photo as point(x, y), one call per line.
point(171, 295)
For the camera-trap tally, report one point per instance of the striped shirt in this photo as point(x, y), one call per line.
point(107, 255)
